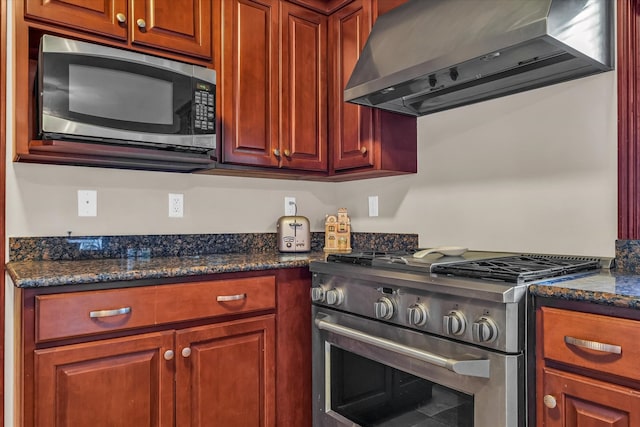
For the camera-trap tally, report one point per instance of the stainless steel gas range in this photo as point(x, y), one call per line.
point(438, 341)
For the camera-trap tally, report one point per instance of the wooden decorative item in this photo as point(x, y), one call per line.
point(337, 233)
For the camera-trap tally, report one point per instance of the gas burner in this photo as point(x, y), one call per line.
point(520, 268)
point(365, 258)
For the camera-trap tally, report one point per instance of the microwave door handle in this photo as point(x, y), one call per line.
point(472, 368)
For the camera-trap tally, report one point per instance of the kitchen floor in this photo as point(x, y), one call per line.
point(444, 410)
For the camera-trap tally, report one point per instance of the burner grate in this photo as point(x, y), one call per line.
point(519, 269)
point(364, 257)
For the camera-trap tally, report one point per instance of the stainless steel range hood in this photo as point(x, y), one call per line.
point(432, 55)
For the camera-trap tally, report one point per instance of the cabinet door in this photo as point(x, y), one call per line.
point(249, 82)
point(293, 348)
point(365, 142)
point(96, 16)
point(303, 141)
point(584, 402)
point(182, 26)
point(116, 382)
point(352, 130)
point(225, 374)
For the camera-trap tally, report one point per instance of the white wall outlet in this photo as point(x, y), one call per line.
point(373, 205)
point(87, 203)
point(176, 205)
point(290, 206)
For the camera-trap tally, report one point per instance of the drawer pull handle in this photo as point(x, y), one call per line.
point(223, 298)
point(594, 345)
point(109, 313)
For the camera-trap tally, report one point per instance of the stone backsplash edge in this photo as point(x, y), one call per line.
point(99, 247)
point(628, 256)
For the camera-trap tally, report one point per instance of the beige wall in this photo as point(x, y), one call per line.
point(534, 171)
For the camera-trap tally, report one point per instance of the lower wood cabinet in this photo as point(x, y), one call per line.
point(577, 401)
point(212, 365)
point(586, 368)
point(225, 374)
point(117, 382)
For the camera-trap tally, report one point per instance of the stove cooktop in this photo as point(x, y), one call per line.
point(496, 266)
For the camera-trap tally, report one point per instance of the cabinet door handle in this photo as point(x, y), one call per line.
point(363, 150)
point(109, 313)
point(141, 23)
point(121, 17)
point(287, 153)
point(223, 298)
point(276, 152)
point(594, 345)
point(168, 355)
point(549, 401)
point(186, 352)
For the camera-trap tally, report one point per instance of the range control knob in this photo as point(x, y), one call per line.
point(484, 330)
point(454, 323)
point(317, 294)
point(383, 308)
point(334, 296)
point(417, 315)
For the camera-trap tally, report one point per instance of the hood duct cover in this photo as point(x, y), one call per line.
point(432, 55)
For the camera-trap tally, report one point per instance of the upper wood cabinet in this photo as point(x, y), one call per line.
point(248, 89)
point(180, 26)
point(303, 114)
point(96, 16)
point(364, 141)
point(273, 97)
point(283, 71)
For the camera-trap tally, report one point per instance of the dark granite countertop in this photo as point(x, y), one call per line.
point(618, 288)
point(31, 274)
point(608, 287)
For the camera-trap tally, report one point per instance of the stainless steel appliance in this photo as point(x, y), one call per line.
point(432, 55)
point(113, 97)
point(433, 341)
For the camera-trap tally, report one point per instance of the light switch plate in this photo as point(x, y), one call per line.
point(290, 206)
point(373, 205)
point(87, 203)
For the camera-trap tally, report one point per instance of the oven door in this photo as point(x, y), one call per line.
point(370, 373)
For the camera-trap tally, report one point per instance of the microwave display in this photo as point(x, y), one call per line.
point(100, 94)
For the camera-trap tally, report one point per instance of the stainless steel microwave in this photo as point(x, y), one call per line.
point(89, 92)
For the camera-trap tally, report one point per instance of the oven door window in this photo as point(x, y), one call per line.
point(373, 394)
point(116, 94)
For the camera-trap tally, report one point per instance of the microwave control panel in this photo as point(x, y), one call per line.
point(204, 117)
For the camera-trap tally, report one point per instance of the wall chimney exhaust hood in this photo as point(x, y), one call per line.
point(432, 55)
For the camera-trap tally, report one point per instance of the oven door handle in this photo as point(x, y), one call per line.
point(472, 368)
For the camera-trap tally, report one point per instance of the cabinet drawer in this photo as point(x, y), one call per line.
point(215, 298)
point(85, 313)
point(567, 336)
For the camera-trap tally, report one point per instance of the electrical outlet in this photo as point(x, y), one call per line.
point(373, 205)
point(87, 203)
point(290, 206)
point(176, 205)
